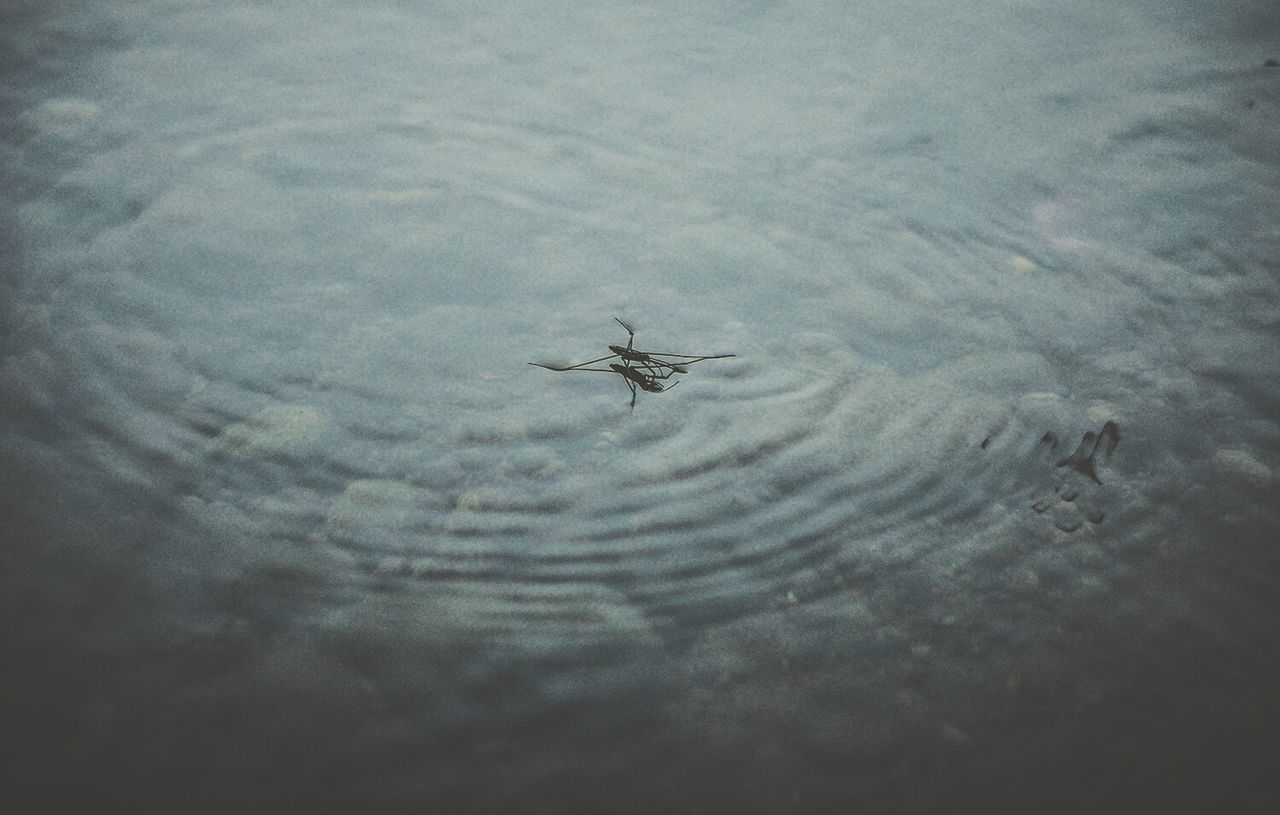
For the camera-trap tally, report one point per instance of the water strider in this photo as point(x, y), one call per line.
point(639, 369)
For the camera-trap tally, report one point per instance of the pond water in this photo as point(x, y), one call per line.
point(291, 524)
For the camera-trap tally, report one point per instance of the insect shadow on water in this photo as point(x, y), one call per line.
point(641, 370)
point(1083, 461)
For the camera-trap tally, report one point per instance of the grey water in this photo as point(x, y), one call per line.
point(289, 524)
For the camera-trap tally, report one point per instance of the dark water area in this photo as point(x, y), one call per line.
point(980, 516)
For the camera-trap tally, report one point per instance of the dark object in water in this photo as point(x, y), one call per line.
point(985, 442)
point(1082, 460)
point(1271, 63)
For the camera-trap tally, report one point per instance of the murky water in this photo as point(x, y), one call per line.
point(291, 523)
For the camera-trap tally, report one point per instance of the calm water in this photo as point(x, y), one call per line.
point(290, 524)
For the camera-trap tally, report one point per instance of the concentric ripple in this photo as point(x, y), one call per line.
point(681, 512)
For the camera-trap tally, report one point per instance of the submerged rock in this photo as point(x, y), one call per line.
point(277, 430)
point(374, 502)
point(1242, 467)
point(67, 118)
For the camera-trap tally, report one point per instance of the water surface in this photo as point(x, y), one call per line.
point(290, 522)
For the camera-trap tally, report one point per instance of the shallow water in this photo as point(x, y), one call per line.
point(291, 522)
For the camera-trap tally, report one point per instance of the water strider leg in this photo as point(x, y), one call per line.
point(572, 367)
point(631, 334)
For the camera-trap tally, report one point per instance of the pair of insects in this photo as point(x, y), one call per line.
point(641, 370)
